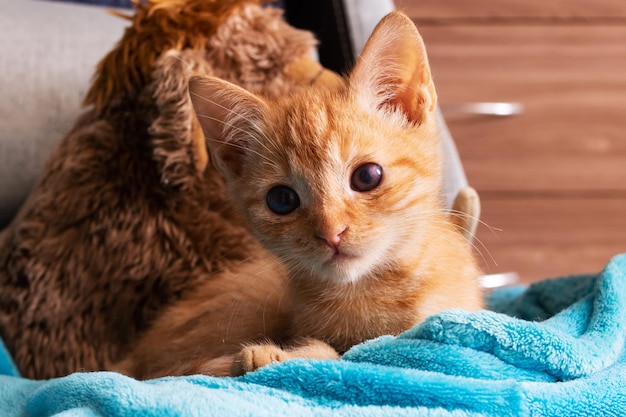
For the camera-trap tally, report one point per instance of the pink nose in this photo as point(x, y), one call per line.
point(332, 237)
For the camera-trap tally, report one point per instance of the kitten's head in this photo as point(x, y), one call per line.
point(338, 182)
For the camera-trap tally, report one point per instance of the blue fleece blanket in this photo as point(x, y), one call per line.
point(555, 348)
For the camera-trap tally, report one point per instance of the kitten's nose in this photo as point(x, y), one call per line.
point(332, 237)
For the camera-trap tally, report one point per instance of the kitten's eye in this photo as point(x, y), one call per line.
point(282, 200)
point(366, 177)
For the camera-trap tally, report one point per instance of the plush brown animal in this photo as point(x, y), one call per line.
point(128, 216)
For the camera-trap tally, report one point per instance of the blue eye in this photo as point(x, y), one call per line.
point(366, 177)
point(282, 200)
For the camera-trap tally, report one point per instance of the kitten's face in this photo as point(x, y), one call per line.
point(335, 188)
point(336, 181)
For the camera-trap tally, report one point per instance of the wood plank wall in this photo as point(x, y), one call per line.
point(553, 179)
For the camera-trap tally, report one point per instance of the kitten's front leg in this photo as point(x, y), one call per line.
point(253, 357)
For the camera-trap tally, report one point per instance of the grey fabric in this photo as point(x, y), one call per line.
point(49, 53)
point(363, 16)
point(454, 178)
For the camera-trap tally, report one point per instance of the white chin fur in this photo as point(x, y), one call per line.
point(341, 274)
point(345, 271)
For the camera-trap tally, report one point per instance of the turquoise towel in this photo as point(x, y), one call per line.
point(555, 348)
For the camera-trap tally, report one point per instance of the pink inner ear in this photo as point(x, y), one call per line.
point(415, 92)
point(413, 99)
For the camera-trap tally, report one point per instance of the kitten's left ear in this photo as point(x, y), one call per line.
point(393, 69)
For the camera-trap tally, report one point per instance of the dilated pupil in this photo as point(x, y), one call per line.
point(366, 177)
point(282, 199)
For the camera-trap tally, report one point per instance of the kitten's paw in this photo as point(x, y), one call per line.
point(254, 357)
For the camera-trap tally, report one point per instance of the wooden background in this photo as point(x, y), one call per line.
point(553, 179)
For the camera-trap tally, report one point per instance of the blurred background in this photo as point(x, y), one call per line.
point(552, 179)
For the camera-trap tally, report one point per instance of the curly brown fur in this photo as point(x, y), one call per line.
point(127, 217)
point(157, 26)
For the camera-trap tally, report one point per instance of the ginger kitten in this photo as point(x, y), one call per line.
point(342, 184)
point(130, 255)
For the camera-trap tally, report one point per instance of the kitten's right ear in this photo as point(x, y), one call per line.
point(229, 116)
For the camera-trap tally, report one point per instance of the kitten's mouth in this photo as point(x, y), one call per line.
point(340, 267)
point(336, 262)
point(339, 256)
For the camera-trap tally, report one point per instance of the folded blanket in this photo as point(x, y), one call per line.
point(555, 348)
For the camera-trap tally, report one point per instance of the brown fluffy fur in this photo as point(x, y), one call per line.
point(127, 217)
point(158, 26)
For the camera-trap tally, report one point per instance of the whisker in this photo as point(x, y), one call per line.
point(441, 216)
point(237, 145)
point(231, 125)
point(459, 213)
